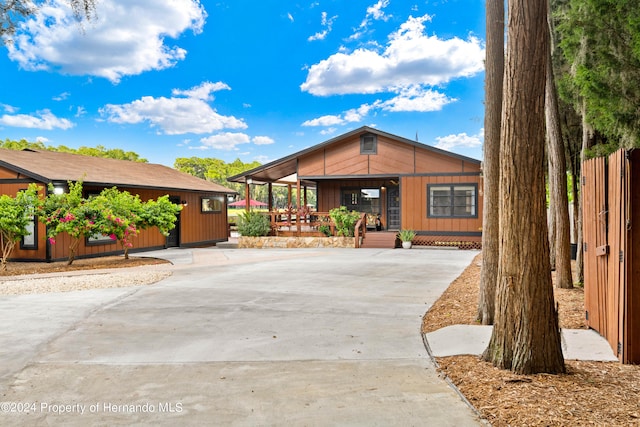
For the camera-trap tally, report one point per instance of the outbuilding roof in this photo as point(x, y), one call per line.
point(51, 166)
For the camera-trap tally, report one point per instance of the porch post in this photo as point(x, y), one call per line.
point(305, 196)
point(247, 193)
point(270, 201)
point(288, 195)
point(298, 219)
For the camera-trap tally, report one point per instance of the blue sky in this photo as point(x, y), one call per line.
point(255, 80)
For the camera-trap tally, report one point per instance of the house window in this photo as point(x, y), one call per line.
point(30, 241)
point(212, 204)
point(452, 201)
point(362, 200)
point(368, 144)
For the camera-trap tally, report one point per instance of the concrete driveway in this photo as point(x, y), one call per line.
point(296, 337)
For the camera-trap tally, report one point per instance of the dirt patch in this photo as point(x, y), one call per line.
point(16, 268)
point(590, 393)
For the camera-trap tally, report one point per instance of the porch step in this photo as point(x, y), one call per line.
point(379, 239)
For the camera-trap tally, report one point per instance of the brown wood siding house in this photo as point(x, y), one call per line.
point(411, 185)
point(197, 224)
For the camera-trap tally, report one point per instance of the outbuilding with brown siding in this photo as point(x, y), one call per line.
point(202, 221)
point(411, 185)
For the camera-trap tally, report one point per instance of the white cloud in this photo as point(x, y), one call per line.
point(62, 96)
point(112, 46)
point(262, 159)
point(203, 91)
point(9, 108)
point(225, 141)
point(42, 139)
point(413, 98)
point(376, 11)
point(416, 99)
point(410, 58)
point(290, 16)
point(174, 116)
point(450, 142)
point(328, 120)
point(327, 23)
point(40, 120)
point(349, 116)
point(262, 140)
point(328, 131)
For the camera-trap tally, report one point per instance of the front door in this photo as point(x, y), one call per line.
point(393, 207)
point(173, 239)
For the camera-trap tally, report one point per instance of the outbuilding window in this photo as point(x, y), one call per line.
point(452, 200)
point(212, 204)
point(368, 144)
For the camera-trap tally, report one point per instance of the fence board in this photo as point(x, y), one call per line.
point(616, 237)
point(594, 235)
point(609, 213)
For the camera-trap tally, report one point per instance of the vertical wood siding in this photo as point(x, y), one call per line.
point(611, 253)
point(196, 227)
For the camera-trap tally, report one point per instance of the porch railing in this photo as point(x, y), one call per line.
point(307, 223)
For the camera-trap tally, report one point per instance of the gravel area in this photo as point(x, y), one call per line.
point(17, 285)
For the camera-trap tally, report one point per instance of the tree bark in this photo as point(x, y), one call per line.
point(558, 184)
point(491, 166)
point(526, 337)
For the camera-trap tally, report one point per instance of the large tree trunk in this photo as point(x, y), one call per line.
point(491, 165)
point(526, 337)
point(558, 184)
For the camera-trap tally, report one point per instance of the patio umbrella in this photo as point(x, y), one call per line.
point(242, 203)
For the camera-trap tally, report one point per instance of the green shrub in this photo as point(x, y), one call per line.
point(253, 224)
point(344, 220)
point(325, 229)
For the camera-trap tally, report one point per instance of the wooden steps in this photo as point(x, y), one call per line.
point(379, 239)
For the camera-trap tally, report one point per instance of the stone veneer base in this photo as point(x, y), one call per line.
point(295, 242)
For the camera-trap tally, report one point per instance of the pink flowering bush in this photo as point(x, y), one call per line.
point(114, 213)
point(69, 213)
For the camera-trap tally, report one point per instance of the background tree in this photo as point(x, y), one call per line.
point(494, 68)
point(601, 41)
point(526, 336)
point(16, 214)
point(97, 151)
point(560, 240)
point(216, 170)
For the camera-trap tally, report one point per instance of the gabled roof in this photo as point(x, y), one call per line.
point(50, 166)
point(286, 166)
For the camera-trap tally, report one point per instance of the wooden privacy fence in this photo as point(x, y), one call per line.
point(611, 248)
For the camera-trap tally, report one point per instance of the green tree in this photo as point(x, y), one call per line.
point(600, 39)
point(216, 170)
point(16, 214)
point(160, 213)
point(98, 151)
point(69, 213)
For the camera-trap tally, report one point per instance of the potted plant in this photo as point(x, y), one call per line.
point(406, 236)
